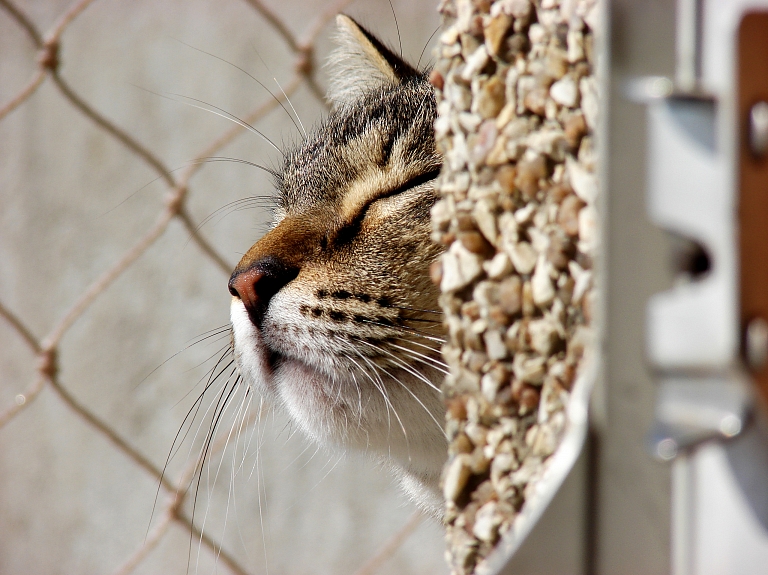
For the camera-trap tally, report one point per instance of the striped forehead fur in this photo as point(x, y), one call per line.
point(321, 168)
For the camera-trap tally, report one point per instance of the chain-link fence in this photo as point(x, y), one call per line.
point(103, 280)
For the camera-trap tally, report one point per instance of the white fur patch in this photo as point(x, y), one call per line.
point(250, 352)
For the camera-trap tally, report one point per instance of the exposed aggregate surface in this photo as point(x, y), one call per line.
point(517, 103)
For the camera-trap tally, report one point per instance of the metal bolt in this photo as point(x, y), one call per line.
point(756, 343)
point(731, 425)
point(758, 128)
point(666, 449)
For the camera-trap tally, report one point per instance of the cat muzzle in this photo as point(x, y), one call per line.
point(256, 284)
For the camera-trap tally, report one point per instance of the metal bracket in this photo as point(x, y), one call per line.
point(691, 410)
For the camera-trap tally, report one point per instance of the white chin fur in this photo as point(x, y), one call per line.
point(250, 352)
point(348, 411)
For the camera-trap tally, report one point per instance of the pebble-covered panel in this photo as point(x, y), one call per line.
point(517, 111)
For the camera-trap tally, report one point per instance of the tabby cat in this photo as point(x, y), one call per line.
point(333, 312)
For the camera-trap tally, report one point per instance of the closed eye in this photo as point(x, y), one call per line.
point(412, 183)
point(350, 229)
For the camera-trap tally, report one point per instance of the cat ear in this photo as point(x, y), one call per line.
point(361, 62)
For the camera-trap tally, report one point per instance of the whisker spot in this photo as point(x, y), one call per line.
point(337, 315)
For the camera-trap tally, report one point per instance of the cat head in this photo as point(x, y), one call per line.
point(334, 315)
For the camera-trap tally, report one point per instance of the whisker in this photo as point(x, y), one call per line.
point(245, 421)
point(199, 402)
point(404, 365)
point(409, 330)
point(229, 434)
point(218, 412)
point(413, 372)
point(427, 347)
point(304, 495)
point(226, 352)
point(307, 462)
point(295, 459)
point(382, 389)
point(259, 482)
point(230, 491)
point(163, 177)
point(171, 452)
point(287, 99)
point(252, 78)
point(397, 27)
point(436, 363)
point(435, 311)
point(224, 114)
point(196, 340)
point(214, 354)
point(425, 48)
point(214, 159)
point(422, 320)
point(237, 204)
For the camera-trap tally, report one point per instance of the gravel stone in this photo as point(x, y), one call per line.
point(456, 476)
point(541, 284)
point(460, 267)
point(565, 92)
point(496, 32)
point(545, 335)
point(490, 100)
point(510, 295)
point(568, 216)
point(584, 182)
point(588, 89)
point(523, 257)
point(587, 228)
point(487, 521)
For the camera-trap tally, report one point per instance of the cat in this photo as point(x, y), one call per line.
point(334, 316)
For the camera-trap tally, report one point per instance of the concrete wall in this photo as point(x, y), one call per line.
point(71, 202)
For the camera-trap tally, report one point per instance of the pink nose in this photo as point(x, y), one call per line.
point(258, 283)
point(244, 285)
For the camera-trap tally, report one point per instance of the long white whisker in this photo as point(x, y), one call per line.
point(311, 457)
point(404, 365)
point(207, 444)
point(427, 347)
point(220, 395)
point(382, 388)
point(247, 440)
point(250, 76)
point(295, 459)
point(259, 477)
point(211, 485)
point(224, 114)
point(311, 489)
point(246, 421)
point(413, 372)
point(287, 99)
point(431, 361)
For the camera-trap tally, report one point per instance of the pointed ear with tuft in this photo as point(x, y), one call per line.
point(361, 62)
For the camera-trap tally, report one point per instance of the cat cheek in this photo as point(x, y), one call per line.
point(250, 352)
point(303, 392)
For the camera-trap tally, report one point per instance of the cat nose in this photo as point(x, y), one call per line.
point(258, 283)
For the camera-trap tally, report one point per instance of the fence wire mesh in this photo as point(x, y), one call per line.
point(99, 273)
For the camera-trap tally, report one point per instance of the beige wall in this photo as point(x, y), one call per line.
point(71, 202)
